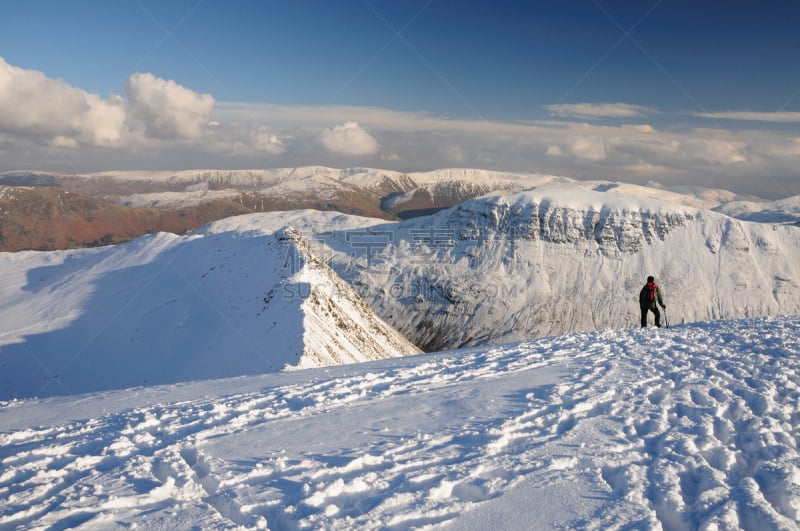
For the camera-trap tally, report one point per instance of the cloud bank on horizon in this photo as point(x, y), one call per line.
point(46, 123)
point(150, 85)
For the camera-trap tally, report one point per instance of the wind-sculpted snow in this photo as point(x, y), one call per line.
point(694, 427)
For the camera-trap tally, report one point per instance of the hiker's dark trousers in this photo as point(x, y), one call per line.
point(654, 309)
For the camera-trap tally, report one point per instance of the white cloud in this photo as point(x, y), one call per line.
point(349, 139)
point(61, 141)
point(267, 141)
point(723, 150)
point(52, 111)
point(60, 115)
point(167, 109)
point(628, 145)
point(767, 117)
point(453, 154)
point(105, 119)
point(180, 128)
point(554, 151)
point(647, 169)
point(588, 147)
point(243, 140)
point(594, 111)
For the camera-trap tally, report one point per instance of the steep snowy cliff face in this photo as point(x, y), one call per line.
point(569, 217)
point(548, 262)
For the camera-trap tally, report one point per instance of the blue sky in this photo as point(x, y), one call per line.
point(704, 93)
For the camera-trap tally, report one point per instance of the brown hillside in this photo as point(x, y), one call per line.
point(49, 218)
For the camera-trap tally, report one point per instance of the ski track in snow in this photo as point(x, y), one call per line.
point(691, 427)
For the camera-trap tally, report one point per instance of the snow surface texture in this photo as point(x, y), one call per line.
point(694, 427)
point(166, 308)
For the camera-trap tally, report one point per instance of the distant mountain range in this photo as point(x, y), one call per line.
point(49, 211)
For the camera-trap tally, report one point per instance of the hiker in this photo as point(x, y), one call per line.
point(648, 297)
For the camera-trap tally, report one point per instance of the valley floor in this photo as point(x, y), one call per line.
point(691, 427)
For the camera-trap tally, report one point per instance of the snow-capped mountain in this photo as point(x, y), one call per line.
point(397, 192)
point(781, 211)
point(501, 268)
point(556, 260)
point(61, 210)
point(392, 192)
point(306, 185)
point(45, 211)
point(689, 428)
point(549, 262)
point(167, 308)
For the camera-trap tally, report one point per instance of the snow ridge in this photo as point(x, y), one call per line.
point(166, 308)
point(339, 327)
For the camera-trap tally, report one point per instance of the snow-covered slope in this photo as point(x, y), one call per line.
point(696, 197)
point(395, 191)
point(556, 260)
point(781, 211)
point(695, 427)
point(553, 261)
point(189, 198)
point(501, 268)
point(443, 187)
point(362, 177)
point(185, 198)
point(165, 308)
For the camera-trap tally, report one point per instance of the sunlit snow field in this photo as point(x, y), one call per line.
point(694, 426)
